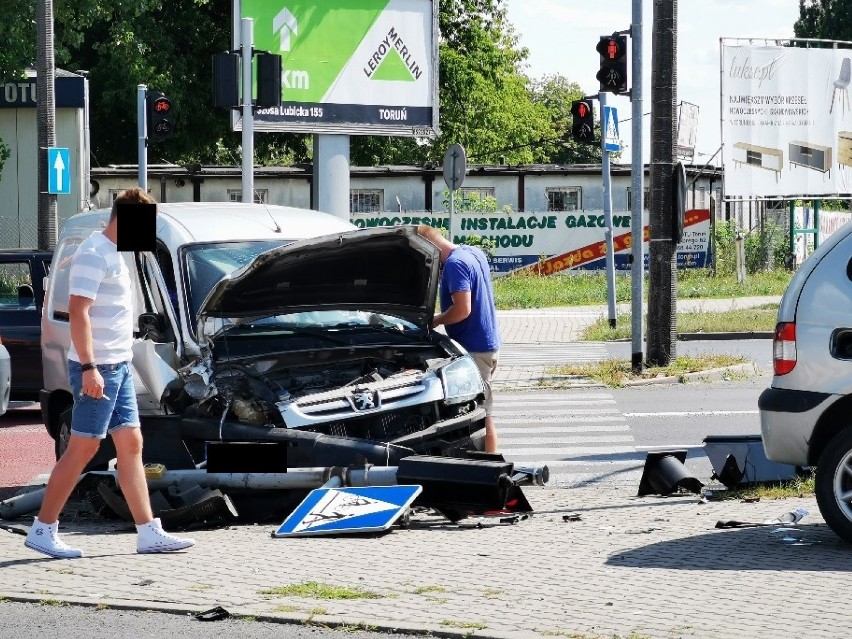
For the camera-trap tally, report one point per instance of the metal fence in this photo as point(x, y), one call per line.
point(21, 233)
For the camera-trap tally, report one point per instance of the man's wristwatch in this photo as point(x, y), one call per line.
point(88, 367)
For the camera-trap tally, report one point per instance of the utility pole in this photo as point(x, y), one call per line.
point(637, 208)
point(46, 116)
point(662, 313)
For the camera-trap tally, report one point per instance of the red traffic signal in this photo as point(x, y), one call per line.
point(612, 47)
point(613, 66)
point(160, 117)
point(583, 125)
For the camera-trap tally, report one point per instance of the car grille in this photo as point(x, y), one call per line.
point(382, 427)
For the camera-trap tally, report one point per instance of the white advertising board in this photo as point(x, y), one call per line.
point(555, 243)
point(786, 121)
point(349, 66)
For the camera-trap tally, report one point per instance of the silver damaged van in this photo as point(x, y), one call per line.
point(264, 324)
point(806, 414)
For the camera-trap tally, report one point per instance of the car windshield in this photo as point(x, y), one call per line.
point(208, 263)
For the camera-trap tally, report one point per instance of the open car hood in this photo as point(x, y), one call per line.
point(389, 270)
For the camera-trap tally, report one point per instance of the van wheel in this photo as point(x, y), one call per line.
point(834, 484)
point(101, 459)
point(63, 433)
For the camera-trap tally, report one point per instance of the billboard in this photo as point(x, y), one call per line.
point(556, 242)
point(360, 67)
point(786, 121)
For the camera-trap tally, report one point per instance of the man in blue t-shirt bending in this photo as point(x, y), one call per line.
point(468, 312)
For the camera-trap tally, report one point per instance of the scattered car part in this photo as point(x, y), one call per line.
point(665, 473)
point(741, 459)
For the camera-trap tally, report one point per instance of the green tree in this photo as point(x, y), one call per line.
point(825, 19)
point(5, 151)
point(485, 100)
point(556, 93)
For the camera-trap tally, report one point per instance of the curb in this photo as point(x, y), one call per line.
point(686, 337)
point(710, 375)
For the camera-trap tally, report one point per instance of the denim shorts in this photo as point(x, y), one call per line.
point(95, 418)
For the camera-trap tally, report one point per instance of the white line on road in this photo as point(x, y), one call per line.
point(692, 413)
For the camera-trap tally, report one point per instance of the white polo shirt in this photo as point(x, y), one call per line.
point(99, 273)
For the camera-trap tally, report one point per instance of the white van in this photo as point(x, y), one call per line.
point(805, 414)
point(269, 324)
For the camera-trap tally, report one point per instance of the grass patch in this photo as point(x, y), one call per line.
point(201, 587)
point(746, 320)
point(315, 590)
point(616, 372)
point(102, 606)
point(589, 289)
point(286, 608)
point(802, 486)
point(423, 590)
point(52, 602)
point(465, 625)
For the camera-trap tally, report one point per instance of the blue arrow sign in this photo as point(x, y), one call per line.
point(58, 171)
point(333, 511)
point(612, 142)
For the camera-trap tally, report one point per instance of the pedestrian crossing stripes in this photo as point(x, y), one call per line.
point(552, 353)
point(581, 436)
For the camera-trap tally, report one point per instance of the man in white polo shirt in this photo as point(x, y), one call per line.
point(101, 318)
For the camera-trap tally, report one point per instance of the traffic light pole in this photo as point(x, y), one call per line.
point(246, 45)
point(607, 202)
point(637, 206)
point(142, 127)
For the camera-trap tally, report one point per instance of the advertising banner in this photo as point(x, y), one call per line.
point(362, 67)
point(554, 243)
point(786, 121)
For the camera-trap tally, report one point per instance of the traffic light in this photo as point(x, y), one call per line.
point(268, 80)
point(613, 72)
point(161, 125)
point(583, 127)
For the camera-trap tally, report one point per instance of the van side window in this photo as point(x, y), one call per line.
point(16, 287)
point(58, 304)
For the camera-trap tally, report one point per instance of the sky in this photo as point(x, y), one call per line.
point(561, 36)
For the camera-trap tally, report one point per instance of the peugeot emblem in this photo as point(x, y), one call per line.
point(363, 400)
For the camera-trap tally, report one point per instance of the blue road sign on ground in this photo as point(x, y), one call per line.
point(58, 171)
point(610, 129)
point(334, 511)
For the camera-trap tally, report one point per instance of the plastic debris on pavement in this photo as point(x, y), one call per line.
point(787, 519)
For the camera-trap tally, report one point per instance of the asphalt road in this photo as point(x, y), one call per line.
point(78, 622)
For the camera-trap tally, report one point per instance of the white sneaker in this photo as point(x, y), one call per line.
point(45, 539)
point(152, 538)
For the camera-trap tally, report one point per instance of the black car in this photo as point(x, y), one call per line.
point(22, 277)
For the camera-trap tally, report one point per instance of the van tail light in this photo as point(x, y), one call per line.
point(784, 348)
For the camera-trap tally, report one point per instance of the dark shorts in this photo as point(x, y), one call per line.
point(95, 418)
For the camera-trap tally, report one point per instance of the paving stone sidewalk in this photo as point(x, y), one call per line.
point(632, 567)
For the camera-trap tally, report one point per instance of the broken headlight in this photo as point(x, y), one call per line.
point(461, 380)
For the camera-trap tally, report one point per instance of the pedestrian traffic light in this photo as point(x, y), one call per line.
point(613, 72)
point(161, 125)
point(583, 126)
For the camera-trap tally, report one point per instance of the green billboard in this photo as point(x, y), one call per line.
point(349, 66)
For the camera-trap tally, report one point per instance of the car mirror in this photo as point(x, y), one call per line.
point(152, 326)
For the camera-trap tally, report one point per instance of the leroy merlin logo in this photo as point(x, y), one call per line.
point(392, 60)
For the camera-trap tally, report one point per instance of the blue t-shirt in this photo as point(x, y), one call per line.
point(466, 269)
